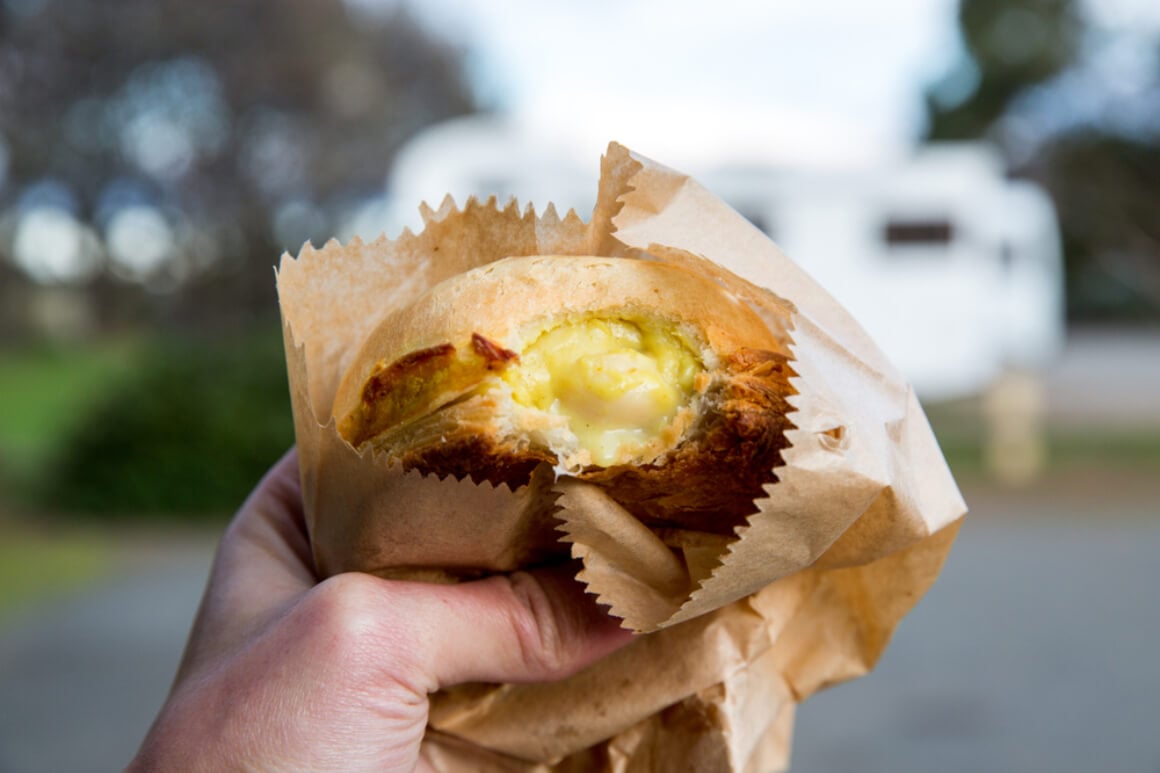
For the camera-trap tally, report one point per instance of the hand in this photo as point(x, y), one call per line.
point(283, 672)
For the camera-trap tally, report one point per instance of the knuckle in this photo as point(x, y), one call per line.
point(363, 629)
point(542, 638)
point(343, 612)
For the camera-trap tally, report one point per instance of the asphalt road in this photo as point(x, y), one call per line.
point(1037, 650)
point(1105, 378)
point(81, 680)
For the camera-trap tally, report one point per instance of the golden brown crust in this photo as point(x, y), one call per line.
point(476, 456)
point(495, 357)
point(420, 382)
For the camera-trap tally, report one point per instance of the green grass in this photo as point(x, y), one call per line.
point(1069, 448)
point(45, 389)
point(960, 430)
point(36, 566)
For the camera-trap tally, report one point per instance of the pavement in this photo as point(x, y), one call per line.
point(1036, 650)
point(82, 678)
point(1108, 378)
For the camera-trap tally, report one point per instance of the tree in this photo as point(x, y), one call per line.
point(1106, 189)
point(1036, 81)
point(1010, 46)
point(195, 141)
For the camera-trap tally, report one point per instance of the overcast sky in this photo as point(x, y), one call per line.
point(752, 74)
point(734, 69)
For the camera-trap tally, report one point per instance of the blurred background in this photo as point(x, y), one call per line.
point(978, 180)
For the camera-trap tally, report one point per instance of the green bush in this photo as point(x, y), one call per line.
point(46, 387)
point(189, 433)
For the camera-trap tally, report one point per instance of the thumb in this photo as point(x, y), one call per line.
point(524, 627)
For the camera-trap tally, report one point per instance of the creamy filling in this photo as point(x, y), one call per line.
point(618, 382)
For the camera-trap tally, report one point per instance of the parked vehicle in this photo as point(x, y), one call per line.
point(954, 269)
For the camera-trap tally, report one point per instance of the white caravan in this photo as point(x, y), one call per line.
point(954, 269)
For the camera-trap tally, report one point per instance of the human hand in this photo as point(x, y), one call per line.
point(283, 672)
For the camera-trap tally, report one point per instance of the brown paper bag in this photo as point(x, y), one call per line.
point(734, 631)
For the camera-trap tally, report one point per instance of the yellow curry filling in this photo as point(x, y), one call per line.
point(618, 382)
